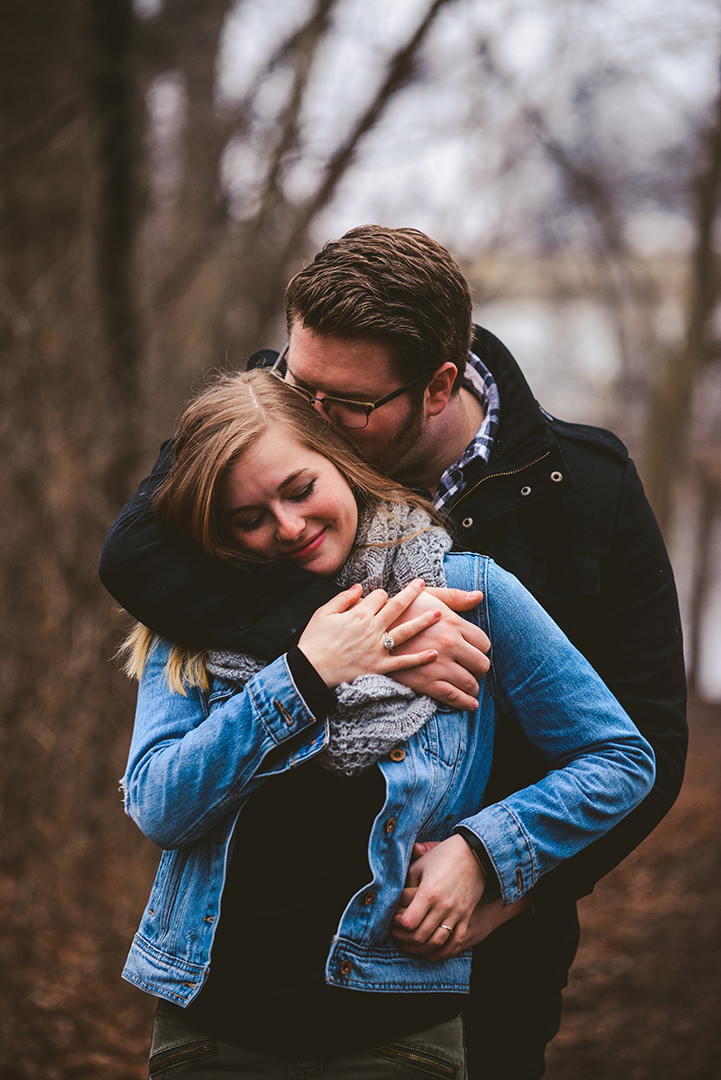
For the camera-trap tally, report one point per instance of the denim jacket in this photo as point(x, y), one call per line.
point(195, 760)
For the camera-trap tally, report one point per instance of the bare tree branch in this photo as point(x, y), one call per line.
point(399, 72)
point(303, 46)
point(589, 189)
point(299, 50)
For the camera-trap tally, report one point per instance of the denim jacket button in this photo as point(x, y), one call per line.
point(369, 898)
point(397, 753)
point(346, 967)
point(390, 825)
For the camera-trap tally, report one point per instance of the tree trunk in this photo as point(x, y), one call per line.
point(113, 99)
point(669, 417)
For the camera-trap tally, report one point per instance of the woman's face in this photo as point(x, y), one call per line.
point(282, 500)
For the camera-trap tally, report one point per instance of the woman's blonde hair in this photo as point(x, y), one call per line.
point(216, 428)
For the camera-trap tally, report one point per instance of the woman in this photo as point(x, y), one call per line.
point(288, 797)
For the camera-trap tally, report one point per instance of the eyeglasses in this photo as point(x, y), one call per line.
point(341, 411)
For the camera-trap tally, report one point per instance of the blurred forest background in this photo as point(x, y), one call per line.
point(164, 168)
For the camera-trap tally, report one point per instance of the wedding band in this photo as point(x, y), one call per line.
point(388, 642)
point(444, 927)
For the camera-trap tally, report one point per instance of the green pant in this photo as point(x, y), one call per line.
point(178, 1052)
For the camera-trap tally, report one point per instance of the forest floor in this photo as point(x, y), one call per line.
point(644, 1000)
point(644, 997)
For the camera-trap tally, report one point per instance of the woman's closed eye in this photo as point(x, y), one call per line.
point(305, 493)
point(248, 524)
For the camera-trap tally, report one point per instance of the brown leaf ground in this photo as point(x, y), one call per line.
point(644, 999)
point(644, 1002)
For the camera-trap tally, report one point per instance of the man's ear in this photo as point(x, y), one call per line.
point(439, 389)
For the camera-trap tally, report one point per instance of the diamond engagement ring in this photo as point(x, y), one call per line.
point(388, 642)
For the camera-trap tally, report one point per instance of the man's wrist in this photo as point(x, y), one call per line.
point(492, 891)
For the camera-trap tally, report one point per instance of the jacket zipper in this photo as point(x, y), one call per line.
point(434, 1065)
point(493, 476)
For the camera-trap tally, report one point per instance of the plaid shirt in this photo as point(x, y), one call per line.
point(481, 383)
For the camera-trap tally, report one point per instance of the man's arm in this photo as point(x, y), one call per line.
point(167, 583)
point(636, 646)
point(630, 631)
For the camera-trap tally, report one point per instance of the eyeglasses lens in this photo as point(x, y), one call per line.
point(341, 413)
point(344, 413)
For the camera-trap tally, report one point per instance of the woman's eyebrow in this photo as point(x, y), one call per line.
point(290, 479)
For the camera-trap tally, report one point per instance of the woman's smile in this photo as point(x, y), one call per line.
point(308, 548)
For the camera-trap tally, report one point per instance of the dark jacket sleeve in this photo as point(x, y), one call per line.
point(635, 643)
point(163, 580)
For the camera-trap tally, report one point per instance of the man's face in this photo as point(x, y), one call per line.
point(361, 370)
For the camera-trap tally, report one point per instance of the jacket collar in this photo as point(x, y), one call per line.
point(523, 429)
point(526, 461)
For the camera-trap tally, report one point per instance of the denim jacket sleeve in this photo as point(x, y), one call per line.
point(601, 766)
point(194, 758)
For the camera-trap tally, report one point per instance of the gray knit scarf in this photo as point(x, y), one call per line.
point(394, 545)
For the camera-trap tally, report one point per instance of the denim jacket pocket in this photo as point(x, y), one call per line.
point(165, 889)
point(444, 736)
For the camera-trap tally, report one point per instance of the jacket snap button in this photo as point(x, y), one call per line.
point(397, 753)
point(557, 477)
point(467, 522)
point(525, 490)
point(390, 825)
point(346, 967)
point(369, 898)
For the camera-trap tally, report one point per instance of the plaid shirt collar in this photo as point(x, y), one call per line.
point(481, 383)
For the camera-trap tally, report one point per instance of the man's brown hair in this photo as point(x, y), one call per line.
point(395, 286)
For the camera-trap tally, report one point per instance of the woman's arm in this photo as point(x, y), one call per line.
point(602, 769)
point(192, 758)
point(601, 766)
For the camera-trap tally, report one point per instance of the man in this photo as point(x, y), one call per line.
point(379, 337)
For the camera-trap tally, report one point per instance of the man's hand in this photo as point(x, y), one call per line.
point(484, 919)
point(451, 679)
point(488, 917)
point(344, 638)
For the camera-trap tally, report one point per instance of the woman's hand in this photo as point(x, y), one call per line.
point(443, 888)
point(484, 920)
point(344, 638)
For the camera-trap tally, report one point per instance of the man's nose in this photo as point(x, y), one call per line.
point(317, 403)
